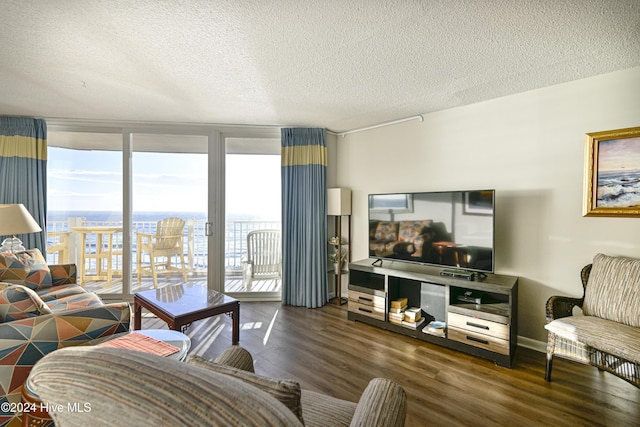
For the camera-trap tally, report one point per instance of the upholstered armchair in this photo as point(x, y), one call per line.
point(383, 402)
point(42, 309)
point(198, 393)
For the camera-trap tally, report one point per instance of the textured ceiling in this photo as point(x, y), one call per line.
point(328, 63)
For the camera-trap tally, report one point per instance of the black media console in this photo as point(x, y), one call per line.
point(480, 315)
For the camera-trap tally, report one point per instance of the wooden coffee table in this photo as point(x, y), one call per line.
point(181, 305)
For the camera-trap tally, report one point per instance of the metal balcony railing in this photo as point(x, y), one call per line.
point(63, 245)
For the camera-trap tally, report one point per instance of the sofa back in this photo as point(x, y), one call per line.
point(613, 290)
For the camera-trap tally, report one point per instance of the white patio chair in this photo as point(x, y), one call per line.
point(264, 257)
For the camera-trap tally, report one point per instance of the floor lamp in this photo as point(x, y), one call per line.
point(15, 219)
point(339, 205)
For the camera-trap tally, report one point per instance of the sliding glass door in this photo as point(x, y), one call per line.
point(130, 209)
point(169, 200)
point(253, 219)
point(84, 207)
point(112, 192)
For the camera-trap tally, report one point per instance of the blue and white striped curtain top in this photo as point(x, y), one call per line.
point(304, 217)
point(23, 171)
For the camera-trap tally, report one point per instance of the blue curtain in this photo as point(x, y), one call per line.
point(23, 171)
point(304, 217)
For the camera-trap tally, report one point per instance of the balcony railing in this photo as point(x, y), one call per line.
point(63, 245)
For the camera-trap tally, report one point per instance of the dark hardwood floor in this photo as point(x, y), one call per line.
point(327, 353)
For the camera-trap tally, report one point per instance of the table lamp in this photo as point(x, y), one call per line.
point(15, 219)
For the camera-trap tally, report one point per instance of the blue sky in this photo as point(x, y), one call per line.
point(175, 182)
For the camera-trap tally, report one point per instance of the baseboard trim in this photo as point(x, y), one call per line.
point(532, 344)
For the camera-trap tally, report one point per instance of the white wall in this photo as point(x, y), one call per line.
point(530, 148)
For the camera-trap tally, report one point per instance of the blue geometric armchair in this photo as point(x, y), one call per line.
point(42, 309)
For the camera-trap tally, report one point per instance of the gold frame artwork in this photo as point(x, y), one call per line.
point(612, 169)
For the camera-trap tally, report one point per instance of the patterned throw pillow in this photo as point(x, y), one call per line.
point(28, 268)
point(19, 302)
point(286, 391)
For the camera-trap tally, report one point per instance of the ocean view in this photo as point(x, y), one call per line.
point(97, 216)
point(619, 189)
point(236, 229)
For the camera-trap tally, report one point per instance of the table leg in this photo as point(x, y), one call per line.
point(37, 416)
point(137, 316)
point(235, 317)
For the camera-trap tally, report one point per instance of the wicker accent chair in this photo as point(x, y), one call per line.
point(161, 247)
point(198, 393)
point(607, 335)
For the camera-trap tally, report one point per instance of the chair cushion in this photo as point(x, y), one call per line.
point(613, 290)
point(20, 302)
point(605, 335)
point(286, 391)
point(28, 268)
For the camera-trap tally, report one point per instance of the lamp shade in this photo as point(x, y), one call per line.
point(338, 201)
point(16, 219)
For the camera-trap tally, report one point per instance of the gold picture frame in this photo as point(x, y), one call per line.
point(612, 173)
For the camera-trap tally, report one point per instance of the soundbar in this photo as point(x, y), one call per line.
point(459, 274)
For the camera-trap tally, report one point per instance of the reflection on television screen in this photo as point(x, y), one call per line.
point(447, 229)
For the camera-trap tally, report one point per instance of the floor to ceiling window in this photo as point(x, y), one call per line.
point(84, 204)
point(253, 205)
point(169, 205)
point(109, 190)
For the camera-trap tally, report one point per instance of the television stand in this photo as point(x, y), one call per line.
point(480, 316)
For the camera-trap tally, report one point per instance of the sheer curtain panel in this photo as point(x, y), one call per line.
point(304, 217)
point(23, 171)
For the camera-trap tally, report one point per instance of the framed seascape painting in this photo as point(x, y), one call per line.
point(612, 173)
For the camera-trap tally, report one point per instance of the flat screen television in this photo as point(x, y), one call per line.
point(451, 229)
